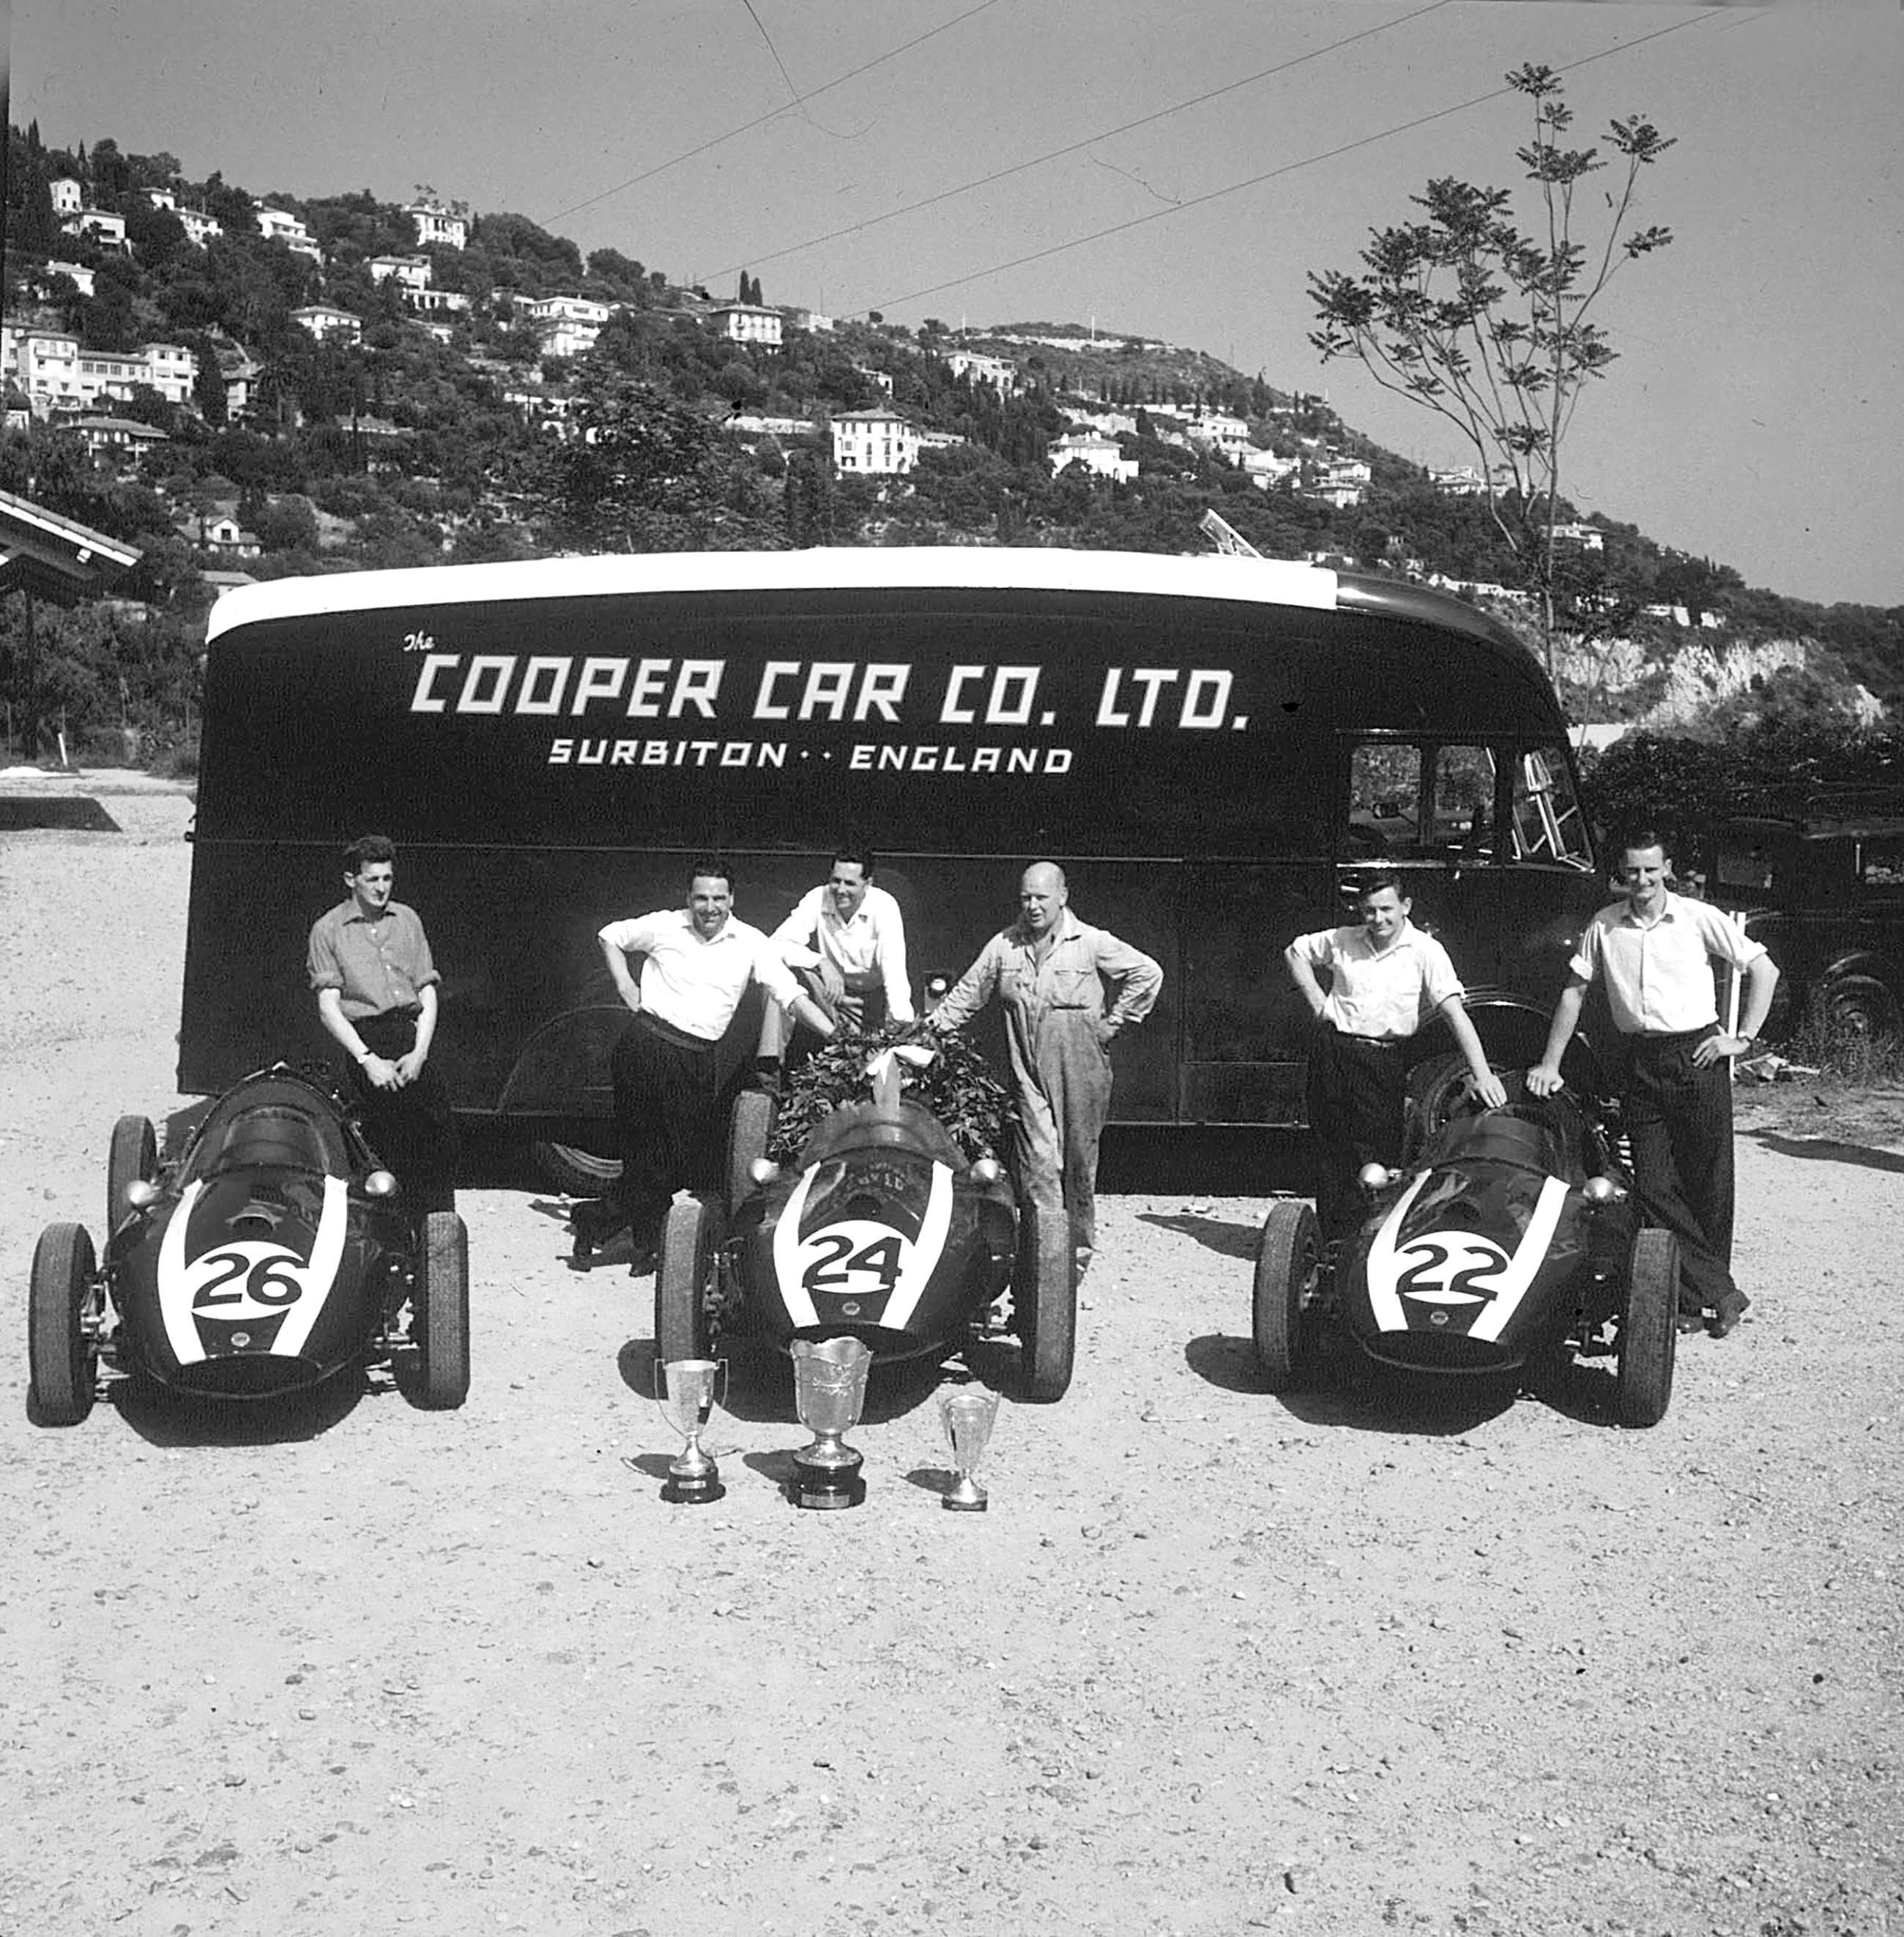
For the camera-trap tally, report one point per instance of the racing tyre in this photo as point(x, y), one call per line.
point(575, 1172)
point(1045, 1294)
point(684, 1266)
point(1649, 1331)
point(1288, 1256)
point(440, 1312)
point(749, 1128)
point(62, 1364)
point(132, 1158)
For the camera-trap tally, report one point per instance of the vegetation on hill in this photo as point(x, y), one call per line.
point(403, 448)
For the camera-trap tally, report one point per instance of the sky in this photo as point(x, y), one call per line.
point(1175, 171)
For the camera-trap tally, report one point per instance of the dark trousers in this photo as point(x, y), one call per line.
point(412, 1129)
point(669, 1096)
point(1357, 1096)
point(1679, 1119)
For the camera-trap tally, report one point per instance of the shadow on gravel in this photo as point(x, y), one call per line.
point(162, 1418)
point(1826, 1150)
point(1222, 1235)
point(1346, 1392)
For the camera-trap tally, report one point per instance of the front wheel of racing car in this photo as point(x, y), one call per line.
point(439, 1312)
point(62, 1364)
point(1436, 1091)
point(1649, 1331)
point(132, 1158)
point(1044, 1298)
point(1288, 1256)
point(749, 1130)
point(683, 1268)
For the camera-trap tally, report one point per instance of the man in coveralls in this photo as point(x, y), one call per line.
point(369, 962)
point(1655, 950)
point(1049, 971)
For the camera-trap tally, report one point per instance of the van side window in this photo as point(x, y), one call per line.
point(1435, 802)
point(1880, 863)
point(1464, 803)
point(1384, 795)
point(1548, 824)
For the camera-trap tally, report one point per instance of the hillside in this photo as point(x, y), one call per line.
point(269, 383)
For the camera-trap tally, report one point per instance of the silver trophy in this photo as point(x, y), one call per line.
point(968, 1414)
point(829, 1393)
point(685, 1396)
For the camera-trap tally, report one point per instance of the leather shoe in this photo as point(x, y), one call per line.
point(1690, 1322)
point(1732, 1306)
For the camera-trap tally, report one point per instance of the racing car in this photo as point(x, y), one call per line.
point(881, 1229)
point(274, 1254)
point(1514, 1234)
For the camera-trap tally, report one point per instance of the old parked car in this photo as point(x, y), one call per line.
point(1823, 888)
point(1513, 1235)
point(274, 1253)
point(881, 1229)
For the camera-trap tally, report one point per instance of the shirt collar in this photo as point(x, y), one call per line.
point(1067, 926)
point(1669, 910)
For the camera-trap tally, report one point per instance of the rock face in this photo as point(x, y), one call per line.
point(1694, 675)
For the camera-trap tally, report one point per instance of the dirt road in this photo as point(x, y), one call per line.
point(1214, 1661)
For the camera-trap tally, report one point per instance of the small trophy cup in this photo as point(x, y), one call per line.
point(968, 1414)
point(686, 1399)
point(829, 1393)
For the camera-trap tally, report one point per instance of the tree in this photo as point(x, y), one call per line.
point(1490, 327)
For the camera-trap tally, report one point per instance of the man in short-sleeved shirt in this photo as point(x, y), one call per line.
point(853, 936)
point(1385, 979)
point(1655, 951)
point(1048, 970)
point(697, 962)
point(369, 961)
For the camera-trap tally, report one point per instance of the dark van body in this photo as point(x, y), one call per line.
point(1209, 745)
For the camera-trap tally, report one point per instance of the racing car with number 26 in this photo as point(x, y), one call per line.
point(275, 1254)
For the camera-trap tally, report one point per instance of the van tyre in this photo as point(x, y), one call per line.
point(575, 1172)
point(439, 1312)
point(132, 1157)
point(682, 1271)
point(750, 1129)
point(1855, 1005)
point(1288, 1256)
point(1436, 1091)
point(61, 1363)
point(1649, 1331)
point(1044, 1295)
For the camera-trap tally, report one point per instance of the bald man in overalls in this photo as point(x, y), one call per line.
point(1052, 974)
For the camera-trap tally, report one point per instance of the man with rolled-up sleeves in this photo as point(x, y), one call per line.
point(1052, 974)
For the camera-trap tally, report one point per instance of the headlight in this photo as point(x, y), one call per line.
point(140, 1192)
point(986, 1171)
point(763, 1172)
point(379, 1184)
point(1601, 1190)
point(1376, 1176)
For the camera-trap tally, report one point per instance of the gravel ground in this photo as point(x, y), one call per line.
point(1215, 1661)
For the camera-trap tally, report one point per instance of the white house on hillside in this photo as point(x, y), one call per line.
point(999, 371)
point(100, 225)
point(68, 197)
point(412, 271)
point(748, 323)
point(279, 225)
point(1218, 430)
point(324, 321)
point(436, 222)
point(57, 374)
point(878, 443)
point(1101, 457)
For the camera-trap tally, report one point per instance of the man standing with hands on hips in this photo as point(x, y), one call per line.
point(369, 961)
point(1385, 979)
point(1655, 951)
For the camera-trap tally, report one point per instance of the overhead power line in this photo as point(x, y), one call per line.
point(785, 108)
point(1271, 175)
point(1072, 147)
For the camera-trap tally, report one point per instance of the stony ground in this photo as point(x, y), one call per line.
point(1215, 1661)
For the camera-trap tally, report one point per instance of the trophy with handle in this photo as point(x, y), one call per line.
point(829, 1393)
point(685, 1396)
point(968, 1414)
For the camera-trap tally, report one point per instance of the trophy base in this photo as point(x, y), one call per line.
point(692, 1489)
point(826, 1489)
point(965, 1498)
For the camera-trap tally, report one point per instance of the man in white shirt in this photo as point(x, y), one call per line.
point(1656, 950)
point(851, 934)
point(696, 963)
point(1385, 979)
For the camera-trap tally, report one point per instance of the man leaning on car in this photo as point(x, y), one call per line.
point(370, 963)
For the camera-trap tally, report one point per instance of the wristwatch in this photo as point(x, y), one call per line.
point(1747, 1043)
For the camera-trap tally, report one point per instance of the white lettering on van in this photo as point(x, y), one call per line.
point(954, 713)
point(824, 697)
point(543, 683)
point(765, 707)
point(644, 695)
point(425, 699)
point(1200, 710)
point(485, 685)
point(698, 685)
point(881, 692)
point(601, 679)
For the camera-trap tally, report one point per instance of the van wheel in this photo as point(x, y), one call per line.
point(1855, 1005)
point(1436, 1092)
point(61, 1365)
point(683, 1270)
point(750, 1129)
point(1649, 1331)
point(575, 1172)
point(1287, 1258)
point(439, 1311)
point(132, 1158)
point(1044, 1295)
